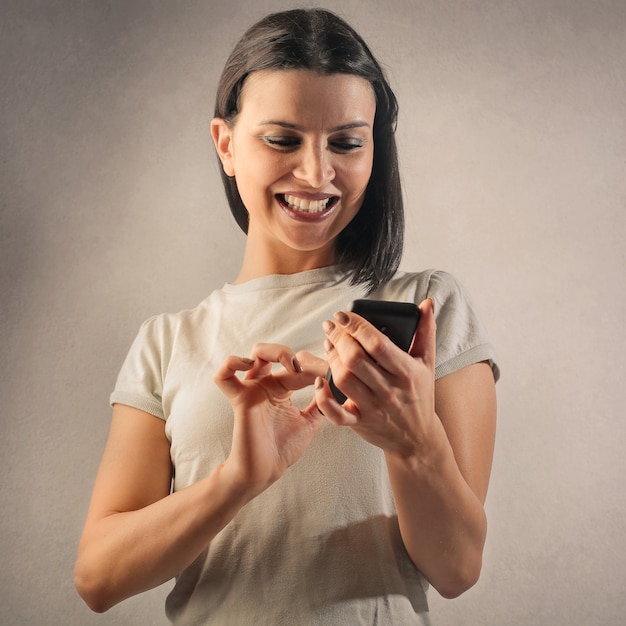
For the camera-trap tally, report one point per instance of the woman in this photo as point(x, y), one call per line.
point(286, 507)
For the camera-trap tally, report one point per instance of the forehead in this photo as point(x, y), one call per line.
point(308, 98)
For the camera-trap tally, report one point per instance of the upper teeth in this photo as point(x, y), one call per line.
point(307, 206)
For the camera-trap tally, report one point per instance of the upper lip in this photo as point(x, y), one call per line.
point(310, 203)
point(307, 195)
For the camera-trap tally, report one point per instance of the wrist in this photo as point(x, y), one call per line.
point(236, 486)
point(428, 450)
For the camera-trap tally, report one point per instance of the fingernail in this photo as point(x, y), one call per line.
point(247, 361)
point(342, 318)
point(328, 327)
point(432, 302)
point(319, 383)
point(296, 365)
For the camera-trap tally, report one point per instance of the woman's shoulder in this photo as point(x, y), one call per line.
point(417, 286)
point(168, 324)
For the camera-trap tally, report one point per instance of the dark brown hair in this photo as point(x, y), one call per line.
point(316, 39)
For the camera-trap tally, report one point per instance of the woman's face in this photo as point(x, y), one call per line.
point(301, 150)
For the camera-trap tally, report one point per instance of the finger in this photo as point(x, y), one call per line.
point(226, 375)
point(353, 372)
point(311, 367)
point(330, 408)
point(342, 342)
point(264, 354)
point(313, 415)
point(312, 364)
point(424, 345)
point(362, 348)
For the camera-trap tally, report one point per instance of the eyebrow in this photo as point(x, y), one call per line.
point(290, 126)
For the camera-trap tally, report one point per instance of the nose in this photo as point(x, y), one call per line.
point(314, 166)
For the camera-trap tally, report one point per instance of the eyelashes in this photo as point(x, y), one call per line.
point(286, 144)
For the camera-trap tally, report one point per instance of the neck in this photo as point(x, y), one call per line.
point(257, 265)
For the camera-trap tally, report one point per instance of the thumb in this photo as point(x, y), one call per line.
point(424, 344)
point(312, 364)
point(226, 375)
point(313, 415)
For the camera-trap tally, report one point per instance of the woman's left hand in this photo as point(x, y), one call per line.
point(391, 393)
point(438, 450)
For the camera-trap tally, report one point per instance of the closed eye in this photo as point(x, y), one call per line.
point(286, 143)
point(346, 146)
point(283, 143)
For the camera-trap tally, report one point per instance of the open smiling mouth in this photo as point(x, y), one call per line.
point(310, 207)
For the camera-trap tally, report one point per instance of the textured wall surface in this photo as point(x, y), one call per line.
point(513, 150)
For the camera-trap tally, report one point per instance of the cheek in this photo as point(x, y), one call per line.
point(359, 175)
point(253, 177)
point(262, 170)
point(257, 185)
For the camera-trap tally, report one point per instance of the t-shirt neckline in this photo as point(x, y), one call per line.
point(328, 274)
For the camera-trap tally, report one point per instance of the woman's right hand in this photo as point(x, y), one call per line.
point(123, 549)
point(269, 433)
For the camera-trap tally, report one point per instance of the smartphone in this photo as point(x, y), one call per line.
point(397, 320)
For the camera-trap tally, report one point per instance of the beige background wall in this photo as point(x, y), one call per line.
point(513, 147)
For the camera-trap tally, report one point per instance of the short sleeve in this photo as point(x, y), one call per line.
point(461, 337)
point(140, 380)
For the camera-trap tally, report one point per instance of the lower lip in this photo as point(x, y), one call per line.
point(306, 216)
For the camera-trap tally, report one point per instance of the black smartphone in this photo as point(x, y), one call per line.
point(397, 320)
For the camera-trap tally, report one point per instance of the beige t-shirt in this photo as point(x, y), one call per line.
point(321, 545)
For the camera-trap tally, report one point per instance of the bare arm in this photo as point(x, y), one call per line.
point(437, 438)
point(440, 492)
point(138, 535)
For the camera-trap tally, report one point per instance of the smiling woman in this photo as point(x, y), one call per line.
point(320, 42)
point(288, 507)
point(303, 175)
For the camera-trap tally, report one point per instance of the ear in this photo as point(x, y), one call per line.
point(222, 137)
